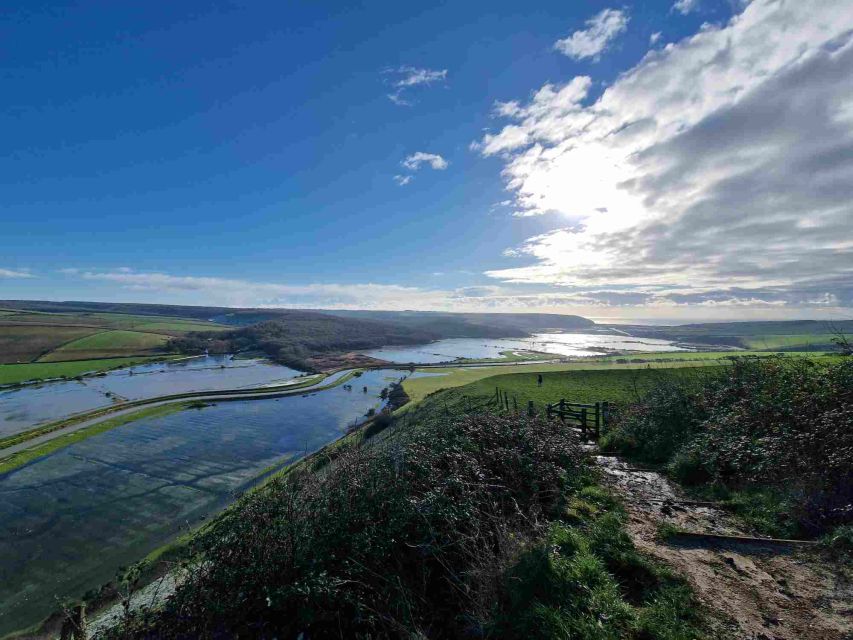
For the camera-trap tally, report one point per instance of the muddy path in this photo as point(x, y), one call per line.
point(754, 590)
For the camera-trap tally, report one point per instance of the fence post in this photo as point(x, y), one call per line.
point(597, 417)
point(562, 413)
point(506, 400)
point(583, 423)
point(497, 394)
point(515, 404)
point(530, 411)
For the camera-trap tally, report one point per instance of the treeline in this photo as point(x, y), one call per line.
point(773, 437)
point(293, 341)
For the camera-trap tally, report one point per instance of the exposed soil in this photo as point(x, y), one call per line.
point(754, 590)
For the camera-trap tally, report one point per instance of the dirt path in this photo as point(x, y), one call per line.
point(757, 591)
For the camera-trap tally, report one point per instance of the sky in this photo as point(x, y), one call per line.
point(680, 159)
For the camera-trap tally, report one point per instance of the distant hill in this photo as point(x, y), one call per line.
point(776, 335)
point(473, 325)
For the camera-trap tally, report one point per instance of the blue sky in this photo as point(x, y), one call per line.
point(255, 153)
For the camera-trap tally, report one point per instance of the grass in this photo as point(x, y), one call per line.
point(15, 373)
point(511, 356)
point(585, 386)
point(802, 341)
point(419, 388)
point(52, 337)
point(108, 343)
point(17, 460)
point(27, 343)
point(179, 326)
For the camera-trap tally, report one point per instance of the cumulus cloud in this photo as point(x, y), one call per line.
point(720, 168)
point(414, 161)
point(15, 273)
point(405, 77)
point(685, 6)
point(655, 37)
point(592, 41)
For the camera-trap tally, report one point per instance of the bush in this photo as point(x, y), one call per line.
point(781, 425)
point(395, 540)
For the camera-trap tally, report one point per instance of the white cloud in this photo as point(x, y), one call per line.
point(685, 6)
point(655, 37)
point(16, 273)
point(721, 167)
point(406, 77)
point(592, 41)
point(414, 161)
point(402, 180)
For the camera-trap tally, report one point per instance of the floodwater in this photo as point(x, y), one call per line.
point(70, 519)
point(26, 407)
point(559, 344)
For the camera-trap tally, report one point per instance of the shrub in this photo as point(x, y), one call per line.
point(395, 540)
point(784, 425)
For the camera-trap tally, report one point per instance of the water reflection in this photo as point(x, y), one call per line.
point(558, 344)
point(23, 408)
point(68, 520)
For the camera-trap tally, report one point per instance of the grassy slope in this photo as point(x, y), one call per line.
point(797, 341)
point(12, 373)
point(586, 386)
point(418, 388)
point(25, 344)
point(27, 336)
point(108, 343)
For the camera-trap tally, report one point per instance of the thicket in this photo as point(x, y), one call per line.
point(476, 526)
point(775, 436)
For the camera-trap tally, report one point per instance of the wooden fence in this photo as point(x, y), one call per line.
point(590, 417)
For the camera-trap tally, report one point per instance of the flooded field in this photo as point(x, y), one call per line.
point(25, 407)
point(559, 344)
point(70, 519)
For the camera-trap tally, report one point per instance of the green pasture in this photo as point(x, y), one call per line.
point(795, 341)
point(108, 343)
point(180, 326)
point(451, 377)
point(27, 343)
point(12, 373)
point(586, 386)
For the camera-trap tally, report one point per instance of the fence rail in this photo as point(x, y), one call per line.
point(590, 417)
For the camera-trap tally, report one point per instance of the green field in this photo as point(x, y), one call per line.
point(179, 327)
point(796, 341)
point(108, 343)
point(586, 386)
point(27, 343)
point(13, 373)
point(36, 336)
point(418, 388)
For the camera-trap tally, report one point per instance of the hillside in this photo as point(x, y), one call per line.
point(782, 335)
